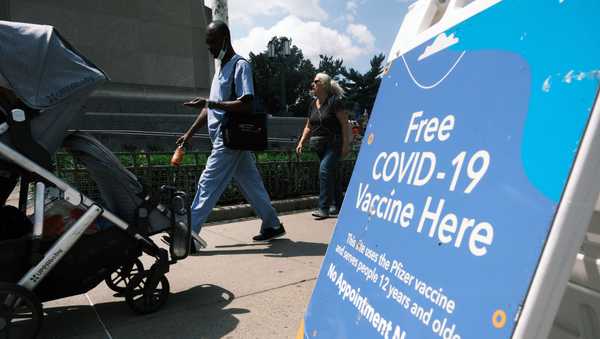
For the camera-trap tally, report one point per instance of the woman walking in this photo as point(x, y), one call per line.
point(327, 127)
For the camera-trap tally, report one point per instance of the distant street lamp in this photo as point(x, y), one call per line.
point(282, 52)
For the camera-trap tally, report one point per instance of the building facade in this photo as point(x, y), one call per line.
point(155, 54)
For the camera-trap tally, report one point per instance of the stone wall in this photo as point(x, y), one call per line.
point(158, 132)
point(137, 42)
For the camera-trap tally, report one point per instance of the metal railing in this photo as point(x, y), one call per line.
point(284, 174)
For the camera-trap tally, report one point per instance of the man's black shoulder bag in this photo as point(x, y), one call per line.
point(244, 131)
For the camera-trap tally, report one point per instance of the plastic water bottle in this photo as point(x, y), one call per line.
point(178, 156)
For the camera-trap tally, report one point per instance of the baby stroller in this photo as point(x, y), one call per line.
point(44, 82)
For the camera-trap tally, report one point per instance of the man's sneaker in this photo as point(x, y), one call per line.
point(320, 215)
point(197, 243)
point(195, 248)
point(201, 242)
point(333, 211)
point(270, 234)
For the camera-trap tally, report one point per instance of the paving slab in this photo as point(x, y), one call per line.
point(235, 289)
point(274, 314)
point(72, 317)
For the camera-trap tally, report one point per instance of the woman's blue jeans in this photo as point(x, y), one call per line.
point(329, 186)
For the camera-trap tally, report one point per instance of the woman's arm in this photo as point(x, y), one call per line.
point(342, 117)
point(304, 137)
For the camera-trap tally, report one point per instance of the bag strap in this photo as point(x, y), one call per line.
point(232, 95)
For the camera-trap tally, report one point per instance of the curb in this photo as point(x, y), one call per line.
point(245, 210)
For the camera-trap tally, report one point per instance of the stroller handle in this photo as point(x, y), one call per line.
point(31, 166)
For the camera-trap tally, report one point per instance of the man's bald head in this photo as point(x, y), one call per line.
point(218, 27)
point(218, 38)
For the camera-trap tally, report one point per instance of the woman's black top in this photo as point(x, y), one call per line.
point(323, 121)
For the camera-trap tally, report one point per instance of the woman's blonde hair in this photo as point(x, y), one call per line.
point(331, 85)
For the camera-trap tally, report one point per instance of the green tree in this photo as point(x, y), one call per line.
point(327, 64)
point(362, 88)
point(294, 70)
point(331, 66)
point(303, 98)
point(297, 74)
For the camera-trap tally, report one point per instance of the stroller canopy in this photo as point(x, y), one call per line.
point(41, 67)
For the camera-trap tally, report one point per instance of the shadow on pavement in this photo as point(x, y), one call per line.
point(284, 248)
point(195, 313)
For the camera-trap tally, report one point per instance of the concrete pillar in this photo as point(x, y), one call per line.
point(220, 11)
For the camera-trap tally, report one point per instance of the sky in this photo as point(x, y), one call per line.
point(354, 30)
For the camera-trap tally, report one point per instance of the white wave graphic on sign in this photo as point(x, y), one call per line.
point(441, 42)
point(435, 84)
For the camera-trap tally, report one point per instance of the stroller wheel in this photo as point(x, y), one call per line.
point(143, 298)
point(20, 312)
point(120, 278)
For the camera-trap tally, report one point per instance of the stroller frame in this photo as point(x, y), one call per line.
point(45, 84)
point(33, 277)
point(145, 291)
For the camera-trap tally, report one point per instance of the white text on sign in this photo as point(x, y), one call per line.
point(419, 168)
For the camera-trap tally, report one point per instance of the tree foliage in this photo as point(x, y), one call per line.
point(333, 67)
point(294, 71)
point(294, 74)
point(361, 89)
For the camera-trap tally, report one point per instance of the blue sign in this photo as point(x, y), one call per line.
point(460, 174)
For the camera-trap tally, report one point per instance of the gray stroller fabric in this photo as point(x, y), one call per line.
point(41, 67)
point(47, 74)
point(120, 190)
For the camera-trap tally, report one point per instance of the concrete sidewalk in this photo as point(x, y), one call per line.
point(236, 289)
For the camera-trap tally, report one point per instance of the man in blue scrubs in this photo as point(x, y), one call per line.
point(223, 163)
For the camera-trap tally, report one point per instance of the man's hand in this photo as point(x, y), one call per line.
point(198, 102)
point(299, 148)
point(182, 140)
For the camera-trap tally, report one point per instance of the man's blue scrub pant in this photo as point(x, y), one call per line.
point(222, 165)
